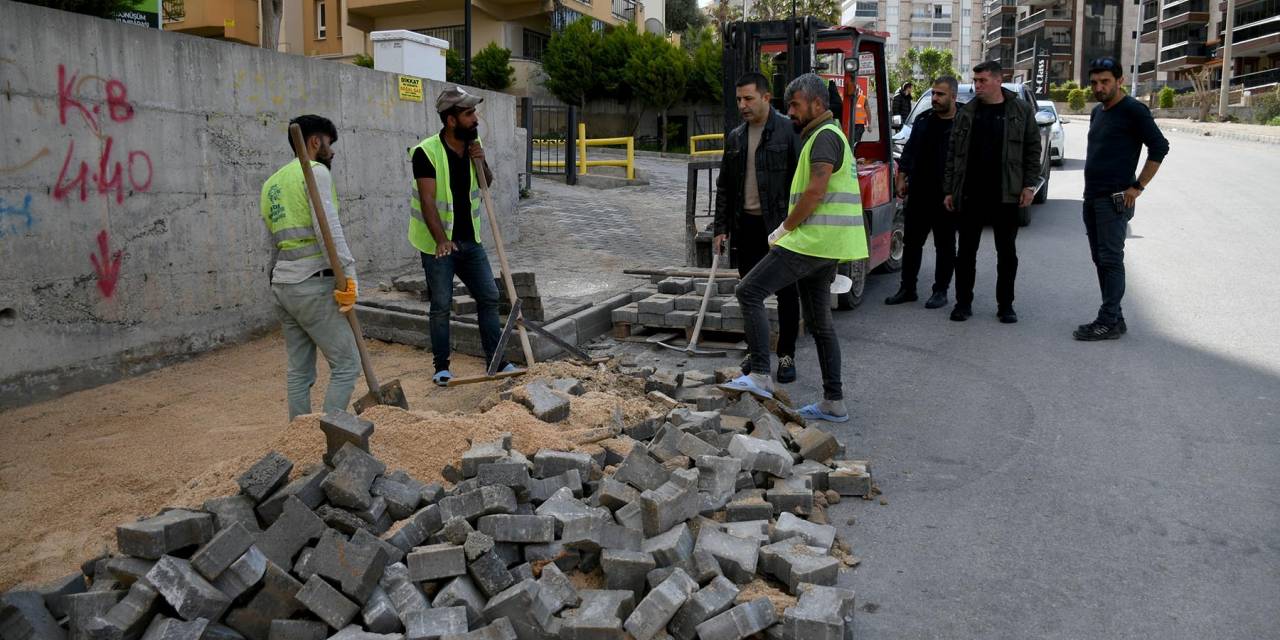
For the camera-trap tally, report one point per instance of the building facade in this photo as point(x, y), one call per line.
point(1180, 37)
point(953, 25)
point(1073, 32)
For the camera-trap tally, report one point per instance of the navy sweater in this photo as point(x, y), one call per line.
point(1116, 137)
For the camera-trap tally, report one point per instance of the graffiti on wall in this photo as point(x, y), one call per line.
point(15, 219)
point(112, 165)
point(106, 265)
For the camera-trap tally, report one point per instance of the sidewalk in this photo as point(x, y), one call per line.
point(1228, 130)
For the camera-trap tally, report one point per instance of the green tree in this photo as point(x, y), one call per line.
point(723, 12)
point(921, 67)
point(827, 11)
point(611, 60)
point(705, 82)
point(362, 60)
point(1076, 100)
point(657, 72)
point(569, 62)
point(490, 69)
point(95, 8)
point(684, 15)
point(1166, 98)
point(453, 66)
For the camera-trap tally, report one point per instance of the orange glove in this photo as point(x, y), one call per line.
point(346, 297)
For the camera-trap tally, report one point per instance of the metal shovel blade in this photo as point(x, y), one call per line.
point(391, 394)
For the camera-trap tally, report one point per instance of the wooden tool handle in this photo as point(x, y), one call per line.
point(502, 254)
point(339, 276)
point(706, 297)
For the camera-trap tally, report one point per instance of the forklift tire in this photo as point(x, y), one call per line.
point(857, 271)
point(1024, 216)
point(1043, 194)
point(897, 240)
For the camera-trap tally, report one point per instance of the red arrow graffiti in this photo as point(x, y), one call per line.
point(108, 269)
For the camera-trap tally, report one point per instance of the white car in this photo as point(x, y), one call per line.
point(1057, 137)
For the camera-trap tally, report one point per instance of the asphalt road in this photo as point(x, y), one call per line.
point(1040, 487)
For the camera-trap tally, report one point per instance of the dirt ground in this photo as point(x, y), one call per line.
point(74, 468)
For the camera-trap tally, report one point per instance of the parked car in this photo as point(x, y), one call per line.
point(1057, 137)
point(963, 96)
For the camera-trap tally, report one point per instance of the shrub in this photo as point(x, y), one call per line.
point(362, 60)
point(1076, 100)
point(490, 69)
point(1166, 98)
point(1266, 107)
point(1274, 122)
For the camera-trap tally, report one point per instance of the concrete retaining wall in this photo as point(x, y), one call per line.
point(130, 167)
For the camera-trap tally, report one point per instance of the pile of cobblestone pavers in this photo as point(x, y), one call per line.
point(715, 494)
point(674, 303)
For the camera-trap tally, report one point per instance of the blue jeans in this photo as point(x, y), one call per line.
point(779, 269)
point(1107, 224)
point(471, 264)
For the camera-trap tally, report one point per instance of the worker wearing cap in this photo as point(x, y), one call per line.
point(302, 278)
point(444, 225)
point(824, 226)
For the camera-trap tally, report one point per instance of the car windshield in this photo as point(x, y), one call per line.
point(1047, 107)
point(963, 95)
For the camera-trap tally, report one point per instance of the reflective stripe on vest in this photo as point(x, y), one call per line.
point(419, 235)
point(835, 228)
point(286, 209)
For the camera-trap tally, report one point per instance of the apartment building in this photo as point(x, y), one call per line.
point(1073, 32)
point(340, 29)
point(1181, 36)
point(942, 24)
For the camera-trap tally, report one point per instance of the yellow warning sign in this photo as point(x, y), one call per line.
point(229, 23)
point(411, 88)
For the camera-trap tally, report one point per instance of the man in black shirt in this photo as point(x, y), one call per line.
point(924, 158)
point(1118, 128)
point(993, 168)
point(444, 225)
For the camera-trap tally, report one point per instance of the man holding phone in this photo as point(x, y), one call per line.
point(1119, 127)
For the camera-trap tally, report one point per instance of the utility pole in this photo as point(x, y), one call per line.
point(1137, 47)
point(466, 43)
point(1226, 60)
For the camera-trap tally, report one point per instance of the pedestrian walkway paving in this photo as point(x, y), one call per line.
point(1228, 130)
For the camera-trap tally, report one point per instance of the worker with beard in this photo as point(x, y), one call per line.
point(824, 227)
point(308, 304)
point(444, 225)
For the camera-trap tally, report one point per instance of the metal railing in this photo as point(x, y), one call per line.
point(1257, 78)
point(706, 137)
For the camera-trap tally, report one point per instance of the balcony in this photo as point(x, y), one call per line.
point(1257, 36)
point(1258, 79)
point(235, 20)
point(1183, 56)
point(1184, 12)
point(993, 7)
point(999, 35)
point(1045, 18)
point(1147, 68)
point(365, 10)
point(1038, 3)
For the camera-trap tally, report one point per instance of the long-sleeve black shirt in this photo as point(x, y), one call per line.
point(1116, 138)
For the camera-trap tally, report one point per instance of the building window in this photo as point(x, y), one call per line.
point(865, 10)
point(534, 44)
point(455, 35)
point(322, 29)
point(941, 12)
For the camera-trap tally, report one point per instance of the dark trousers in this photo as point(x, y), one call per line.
point(782, 268)
point(1107, 224)
point(750, 246)
point(924, 214)
point(1003, 218)
point(471, 264)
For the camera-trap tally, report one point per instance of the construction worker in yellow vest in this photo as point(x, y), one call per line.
point(309, 307)
point(824, 227)
point(444, 225)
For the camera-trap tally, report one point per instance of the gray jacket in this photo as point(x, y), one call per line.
point(1020, 155)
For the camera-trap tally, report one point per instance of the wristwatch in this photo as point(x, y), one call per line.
point(1137, 185)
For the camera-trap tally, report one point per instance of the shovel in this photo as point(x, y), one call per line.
point(692, 348)
point(390, 393)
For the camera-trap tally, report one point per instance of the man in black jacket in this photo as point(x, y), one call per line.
point(752, 198)
point(924, 158)
point(993, 168)
point(903, 101)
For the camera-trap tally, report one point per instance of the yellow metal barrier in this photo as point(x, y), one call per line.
point(583, 162)
point(694, 140)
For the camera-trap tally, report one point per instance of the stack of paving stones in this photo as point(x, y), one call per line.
point(526, 284)
point(716, 493)
point(675, 305)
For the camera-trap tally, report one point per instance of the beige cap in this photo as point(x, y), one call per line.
point(456, 97)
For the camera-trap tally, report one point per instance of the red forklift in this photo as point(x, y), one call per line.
point(854, 59)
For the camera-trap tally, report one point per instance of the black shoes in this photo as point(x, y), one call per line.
point(961, 312)
point(786, 369)
point(903, 295)
point(1007, 315)
point(1096, 331)
point(937, 301)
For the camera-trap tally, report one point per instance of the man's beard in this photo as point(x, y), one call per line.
point(467, 134)
point(798, 124)
point(327, 161)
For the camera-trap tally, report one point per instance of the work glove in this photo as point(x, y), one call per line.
point(346, 297)
point(777, 235)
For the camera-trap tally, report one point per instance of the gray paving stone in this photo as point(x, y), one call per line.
point(436, 561)
point(816, 444)
point(672, 547)
point(555, 552)
point(626, 570)
point(354, 632)
point(814, 535)
point(306, 488)
point(356, 564)
point(165, 533)
point(630, 517)
point(851, 478)
point(821, 613)
point(296, 526)
point(215, 631)
point(769, 456)
point(793, 562)
point(484, 453)
point(511, 474)
point(339, 428)
point(327, 603)
point(516, 604)
point(545, 404)
point(84, 608)
point(703, 566)
point(377, 509)
point(555, 591)
point(265, 476)
point(641, 471)
point(353, 475)
point(275, 600)
point(471, 505)
point(164, 628)
point(243, 574)
point(614, 495)
point(815, 472)
point(53, 591)
point(462, 592)
point(693, 446)
point(521, 529)
point(187, 591)
point(789, 499)
point(712, 600)
point(489, 572)
point(541, 489)
point(737, 556)
point(298, 630)
point(476, 545)
point(404, 594)
point(341, 519)
point(717, 477)
point(595, 533)
point(657, 608)
point(571, 386)
point(501, 629)
point(223, 549)
point(379, 613)
point(751, 529)
point(23, 616)
point(548, 463)
point(674, 502)
point(563, 507)
point(600, 616)
point(432, 624)
point(233, 509)
point(126, 570)
point(767, 426)
point(748, 505)
point(744, 620)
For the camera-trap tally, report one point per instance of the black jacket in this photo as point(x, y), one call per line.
point(916, 153)
point(902, 104)
point(776, 158)
point(1021, 152)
